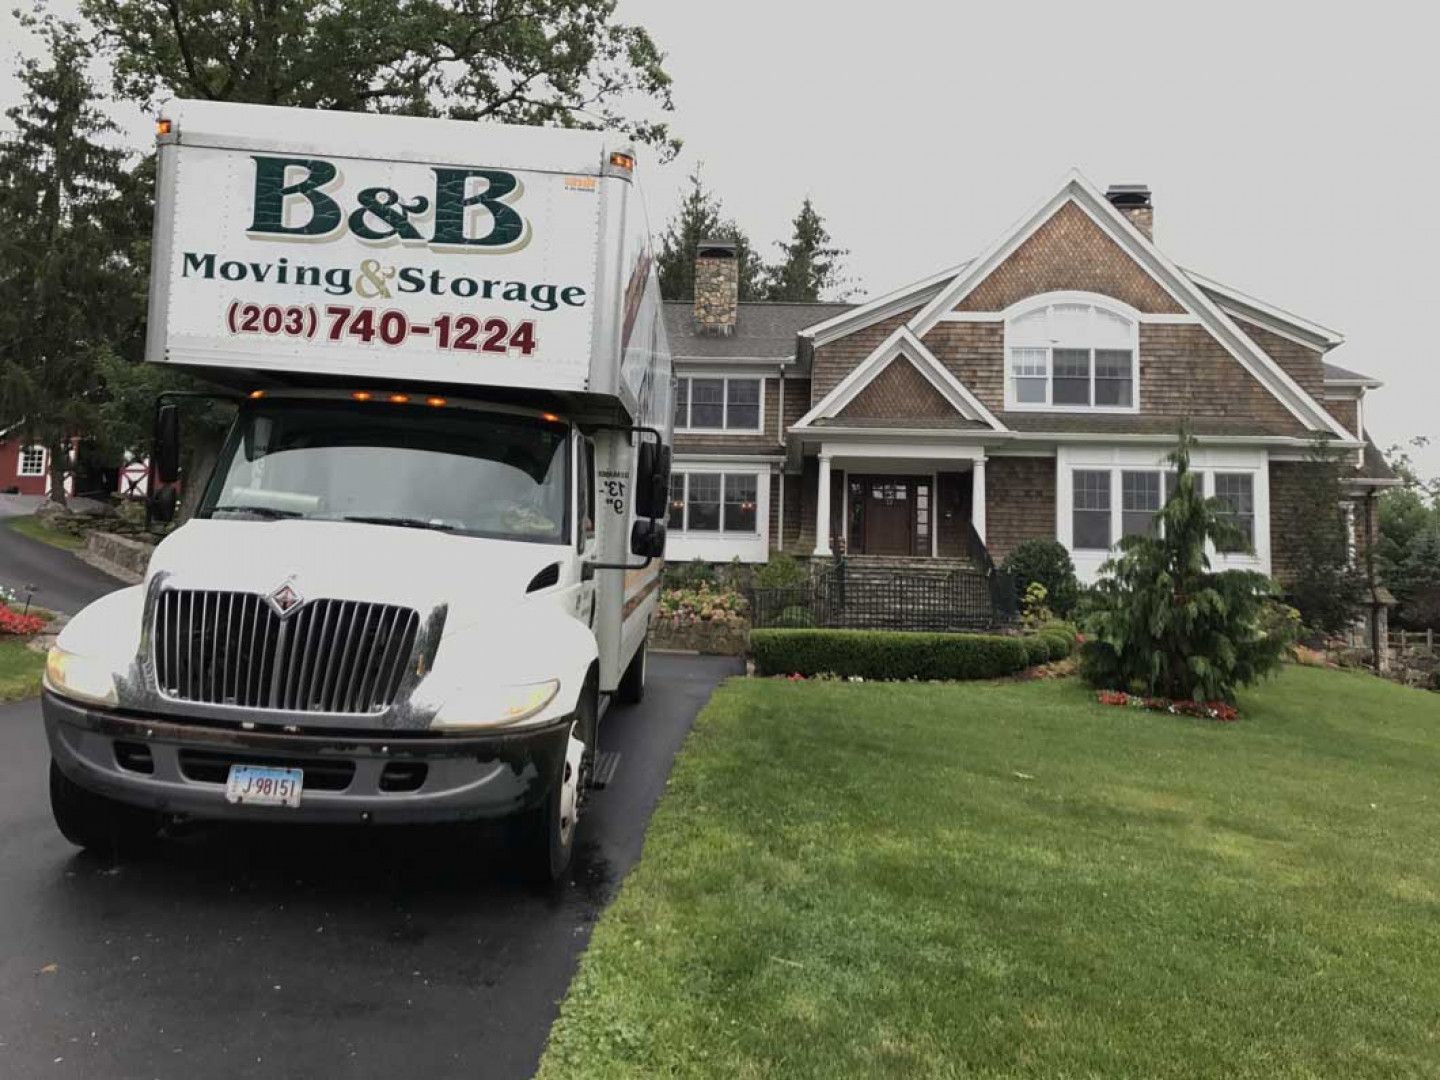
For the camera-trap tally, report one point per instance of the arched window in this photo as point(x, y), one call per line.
point(1072, 353)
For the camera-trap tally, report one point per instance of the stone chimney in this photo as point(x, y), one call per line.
point(717, 287)
point(1133, 200)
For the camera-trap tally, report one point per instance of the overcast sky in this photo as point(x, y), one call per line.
point(1292, 148)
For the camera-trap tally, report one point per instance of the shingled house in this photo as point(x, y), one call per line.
point(1031, 391)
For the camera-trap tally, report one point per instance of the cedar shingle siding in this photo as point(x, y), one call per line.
point(1069, 251)
point(1185, 371)
point(1287, 516)
point(897, 393)
point(1303, 365)
point(1020, 502)
point(837, 359)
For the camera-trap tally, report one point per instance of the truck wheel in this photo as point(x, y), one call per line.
point(631, 690)
point(95, 823)
point(548, 831)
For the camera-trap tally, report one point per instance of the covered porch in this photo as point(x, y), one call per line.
point(897, 501)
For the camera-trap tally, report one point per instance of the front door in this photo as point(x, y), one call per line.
point(889, 516)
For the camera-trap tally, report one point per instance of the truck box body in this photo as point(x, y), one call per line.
point(293, 242)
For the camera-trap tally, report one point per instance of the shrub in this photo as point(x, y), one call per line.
point(1037, 649)
point(783, 571)
point(1061, 645)
point(886, 654)
point(1047, 563)
point(1160, 622)
point(689, 575)
point(795, 617)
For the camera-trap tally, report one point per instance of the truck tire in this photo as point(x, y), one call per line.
point(98, 824)
point(631, 690)
point(547, 833)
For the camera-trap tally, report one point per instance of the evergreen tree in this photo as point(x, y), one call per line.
point(1326, 589)
point(66, 284)
point(1160, 621)
point(700, 217)
point(810, 269)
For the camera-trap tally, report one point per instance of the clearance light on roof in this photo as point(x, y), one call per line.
point(621, 160)
point(399, 399)
point(256, 395)
point(362, 395)
point(436, 402)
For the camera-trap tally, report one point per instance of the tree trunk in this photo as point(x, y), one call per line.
point(59, 455)
point(197, 464)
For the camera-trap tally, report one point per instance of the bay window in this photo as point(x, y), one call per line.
point(717, 403)
point(713, 502)
point(1072, 355)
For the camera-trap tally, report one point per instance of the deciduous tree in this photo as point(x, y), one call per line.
point(567, 63)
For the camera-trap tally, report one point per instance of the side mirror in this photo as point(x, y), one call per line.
point(166, 450)
point(647, 538)
point(652, 480)
point(160, 506)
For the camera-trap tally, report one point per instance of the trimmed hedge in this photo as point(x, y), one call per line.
point(1037, 649)
point(887, 654)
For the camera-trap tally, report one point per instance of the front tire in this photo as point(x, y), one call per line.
point(98, 824)
point(547, 833)
point(631, 690)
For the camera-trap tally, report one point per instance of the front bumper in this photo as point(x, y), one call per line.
point(379, 778)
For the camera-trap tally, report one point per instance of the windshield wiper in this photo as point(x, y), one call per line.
point(267, 512)
point(403, 522)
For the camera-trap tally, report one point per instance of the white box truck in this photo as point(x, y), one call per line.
point(427, 555)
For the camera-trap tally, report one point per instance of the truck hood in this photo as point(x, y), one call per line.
point(343, 560)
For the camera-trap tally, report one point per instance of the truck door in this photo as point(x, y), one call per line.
point(585, 510)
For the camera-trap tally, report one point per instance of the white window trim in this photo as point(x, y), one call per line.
point(1093, 300)
point(20, 469)
point(727, 376)
point(762, 502)
point(1205, 463)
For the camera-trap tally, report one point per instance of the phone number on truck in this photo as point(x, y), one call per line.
point(388, 326)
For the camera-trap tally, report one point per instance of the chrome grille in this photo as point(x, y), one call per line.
point(231, 648)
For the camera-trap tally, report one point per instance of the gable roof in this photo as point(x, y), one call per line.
point(882, 307)
point(1078, 190)
point(764, 330)
point(1272, 318)
point(902, 346)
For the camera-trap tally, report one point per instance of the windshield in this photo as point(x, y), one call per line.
point(477, 473)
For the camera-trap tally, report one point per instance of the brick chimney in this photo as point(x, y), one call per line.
point(717, 287)
point(1133, 200)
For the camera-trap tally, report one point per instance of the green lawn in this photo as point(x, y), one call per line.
point(20, 669)
point(1007, 879)
point(34, 528)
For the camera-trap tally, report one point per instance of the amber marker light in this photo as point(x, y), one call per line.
point(362, 395)
point(622, 160)
point(399, 399)
point(256, 395)
point(551, 417)
point(163, 126)
point(435, 402)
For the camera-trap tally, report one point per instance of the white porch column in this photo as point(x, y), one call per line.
point(822, 508)
point(977, 499)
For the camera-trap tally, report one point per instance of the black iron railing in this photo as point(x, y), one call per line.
point(847, 596)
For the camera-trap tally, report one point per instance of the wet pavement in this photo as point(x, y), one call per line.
point(311, 953)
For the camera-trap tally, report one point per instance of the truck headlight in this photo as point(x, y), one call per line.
point(505, 706)
point(80, 677)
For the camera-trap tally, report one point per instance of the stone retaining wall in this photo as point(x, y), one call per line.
point(119, 556)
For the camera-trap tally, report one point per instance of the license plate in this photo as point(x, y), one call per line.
point(264, 786)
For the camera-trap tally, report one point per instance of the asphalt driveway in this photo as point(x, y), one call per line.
point(61, 582)
point(319, 953)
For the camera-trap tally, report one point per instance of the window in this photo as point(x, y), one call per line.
point(1237, 492)
point(1091, 509)
point(32, 461)
point(713, 502)
point(1139, 502)
point(714, 403)
point(739, 502)
point(1071, 355)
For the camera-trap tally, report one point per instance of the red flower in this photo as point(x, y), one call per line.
point(12, 622)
